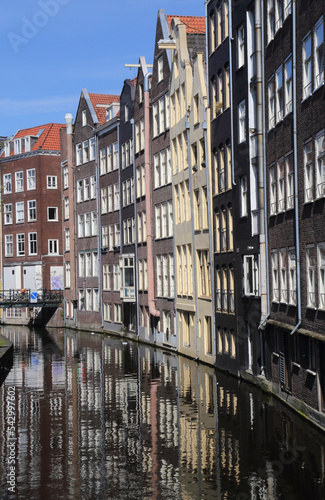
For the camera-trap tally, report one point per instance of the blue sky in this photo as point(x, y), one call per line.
point(51, 49)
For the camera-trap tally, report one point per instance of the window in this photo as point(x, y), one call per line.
point(65, 178)
point(106, 276)
point(197, 210)
point(320, 164)
point(79, 191)
point(107, 312)
point(243, 196)
point(67, 275)
point(19, 181)
point(283, 275)
point(9, 245)
point(208, 334)
point(53, 246)
point(241, 45)
point(306, 62)
point(308, 159)
point(319, 53)
point(311, 290)
point(93, 187)
point(102, 161)
point(281, 183)
point(81, 264)
point(271, 99)
point(161, 115)
point(227, 89)
point(31, 179)
point(220, 93)
point(7, 183)
point(8, 213)
point(212, 33)
point(78, 154)
point(87, 263)
point(92, 151)
point(94, 223)
point(292, 277)
point(204, 276)
point(31, 211)
point(87, 224)
point(116, 277)
point(117, 313)
point(17, 146)
point(51, 181)
point(278, 14)
point(273, 204)
point(81, 301)
point(86, 189)
point(242, 121)
point(95, 262)
point(80, 225)
point(88, 299)
point(32, 243)
point(288, 85)
point(85, 151)
point(109, 159)
point(250, 264)
point(287, 8)
point(67, 239)
point(103, 200)
point(321, 275)
point(226, 17)
point(104, 237)
point(117, 234)
point(275, 276)
point(219, 26)
point(84, 117)
point(160, 69)
point(117, 194)
point(270, 20)
point(110, 198)
point(279, 93)
point(20, 244)
point(290, 181)
point(52, 214)
point(115, 156)
point(20, 212)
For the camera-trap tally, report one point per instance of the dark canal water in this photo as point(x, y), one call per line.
point(91, 417)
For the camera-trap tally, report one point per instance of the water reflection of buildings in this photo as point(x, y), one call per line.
point(99, 418)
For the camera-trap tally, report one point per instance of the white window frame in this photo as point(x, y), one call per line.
point(20, 242)
point(319, 53)
point(307, 66)
point(309, 171)
point(251, 275)
point(9, 245)
point(31, 210)
point(32, 243)
point(53, 247)
point(242, 121)
point(31, 179)
point(56, 214)
point(20, 212)
point(320, 164)
point(19, 181)
point(8, 214)
point(51, 182)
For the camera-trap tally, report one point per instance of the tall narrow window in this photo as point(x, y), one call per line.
point(279, 93)
point(281, 182)
point(271, 98)
point(319, 53)
point(288, 85)
point(270, 20)
point(243, 196)
point(292, 277)
point(306, 61)
point(283, 275)
point(320, 164)
point(290, 181)
point(275, 276)
point(273, 204)
point(242, 121)
point(308, 159)
point(321, 275)
point(241, 45)
point(212, 33)
point(311, 291)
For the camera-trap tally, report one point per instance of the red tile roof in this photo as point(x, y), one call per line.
point(194, 24)
point(49, 136)
point(102, 99)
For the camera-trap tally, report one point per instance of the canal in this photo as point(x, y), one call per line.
point(86, 416)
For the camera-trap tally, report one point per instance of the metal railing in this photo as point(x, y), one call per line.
point(27, 298)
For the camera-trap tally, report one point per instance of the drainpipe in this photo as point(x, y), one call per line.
point(72, 214)
point(136, 232)
point(231, 97)
point(207, 170)
point(260, 122)
point(99, 232)
point(187, 126)
point(151, 282)
point(295, 161)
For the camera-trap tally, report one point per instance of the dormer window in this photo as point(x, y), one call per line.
point(141, 92)
point(27, 144)
point(84, 118)
point(126, 113)
point(17, 146)
point(7, 148)
point(109, 113)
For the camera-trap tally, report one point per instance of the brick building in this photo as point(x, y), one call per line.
point(32, 250)
point(295, 151)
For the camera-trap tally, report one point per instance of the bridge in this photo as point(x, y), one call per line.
point(28, 298)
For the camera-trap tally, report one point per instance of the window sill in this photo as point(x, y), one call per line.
point(276, 354)
point(311, 372)
point(297, 365)
point(305, 98)
point(319, 87)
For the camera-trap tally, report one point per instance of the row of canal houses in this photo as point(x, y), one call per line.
point(193, 202)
